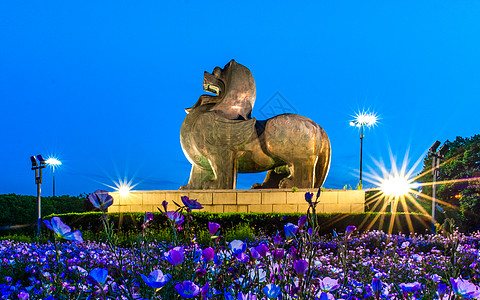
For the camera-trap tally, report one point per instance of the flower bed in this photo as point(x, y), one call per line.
point(298, 263)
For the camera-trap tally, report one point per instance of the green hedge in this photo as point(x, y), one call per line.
point(261, 223)
point(22, 210)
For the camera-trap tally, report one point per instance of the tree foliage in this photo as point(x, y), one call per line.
point(458, 180)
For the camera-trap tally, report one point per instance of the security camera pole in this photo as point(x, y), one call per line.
point(38, 181)
point(436, 156)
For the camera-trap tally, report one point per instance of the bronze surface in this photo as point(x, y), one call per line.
point(220, 138)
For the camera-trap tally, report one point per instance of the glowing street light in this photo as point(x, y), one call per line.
point(396, 186)
point(53, 163)
point(361, 120)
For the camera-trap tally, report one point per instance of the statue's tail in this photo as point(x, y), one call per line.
point(323, 152)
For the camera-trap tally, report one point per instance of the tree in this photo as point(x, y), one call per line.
point(459, 180)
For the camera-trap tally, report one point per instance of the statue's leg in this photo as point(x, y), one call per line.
point(301, 175)
point(272, 180)
point(225, 169)
point(198, 178)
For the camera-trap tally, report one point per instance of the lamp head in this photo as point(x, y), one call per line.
point(443, 150)
point(34, 161)
point(41, 160)
point(434, 147)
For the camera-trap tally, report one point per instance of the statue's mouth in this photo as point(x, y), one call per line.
point(213, 85)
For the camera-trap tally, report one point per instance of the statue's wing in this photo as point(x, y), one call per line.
point(222, 132)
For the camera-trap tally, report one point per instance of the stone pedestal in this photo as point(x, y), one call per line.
point(266, 201)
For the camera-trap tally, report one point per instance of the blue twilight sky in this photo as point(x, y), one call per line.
point(103, 85)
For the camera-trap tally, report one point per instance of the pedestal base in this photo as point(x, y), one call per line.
point(265, 201)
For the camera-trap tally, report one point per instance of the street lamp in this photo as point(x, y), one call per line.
point(436, 156)
point(53, 163)
point(38, 181)
point(361, 120)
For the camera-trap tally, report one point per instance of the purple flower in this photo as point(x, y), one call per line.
point(101, 199)
point(277, 240)
point(187, 289)
point(249, 296)
point(262, 249)
point(191, 204)
point(464, 288)
point(175, 217)
point(213, 227)
point(328, 284)
point(410, 287)
point(326, 296)
point(300, 266)
point(156, 279)
point(237, 246)
point(290, 230)
point(308, 197)
point(208, 254)
point(204, 291)
point(175, 256)
point(64, 231)
point(350, 229)
point(164, 204)
point(271, 291)
point(302, 221)
point(255, 253)
point(242, 257)
point(23, 295)
point(99, 275)
point(441, 290)
point(148, 217)
point(376, 285)
point(278, 254)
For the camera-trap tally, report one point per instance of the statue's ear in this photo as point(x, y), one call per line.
point(239, 95)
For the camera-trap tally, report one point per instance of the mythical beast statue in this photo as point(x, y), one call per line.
point(220, 138)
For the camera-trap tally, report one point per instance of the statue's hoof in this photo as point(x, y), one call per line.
point(184, 187)
point(286, 183)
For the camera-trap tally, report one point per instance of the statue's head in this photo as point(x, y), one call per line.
point(233, 88)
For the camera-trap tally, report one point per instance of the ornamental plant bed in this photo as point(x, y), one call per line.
point(296, 263)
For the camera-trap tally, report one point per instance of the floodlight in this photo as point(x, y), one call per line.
point(434, 147)
point(443, 150)
point(41, 159)
point(34, 161)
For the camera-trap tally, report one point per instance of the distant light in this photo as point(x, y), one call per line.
point(124, 190)
point(364, 119)
point(53, 162)
point(123, 187)
point(396, 185)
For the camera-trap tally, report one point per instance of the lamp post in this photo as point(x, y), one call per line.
point(54, 163)
point(38, 181)
point(436, 156)
point(361, 120)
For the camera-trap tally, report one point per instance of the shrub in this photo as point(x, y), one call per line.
point(251, 223)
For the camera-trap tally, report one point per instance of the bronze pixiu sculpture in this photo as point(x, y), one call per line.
point(220, 138)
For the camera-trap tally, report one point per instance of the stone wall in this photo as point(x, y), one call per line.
point(279, 201)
